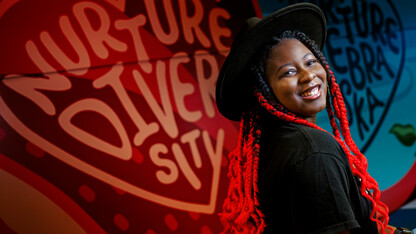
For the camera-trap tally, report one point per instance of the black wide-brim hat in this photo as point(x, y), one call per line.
point(234, 92)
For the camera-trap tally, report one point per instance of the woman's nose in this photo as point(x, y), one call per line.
point(307, 76)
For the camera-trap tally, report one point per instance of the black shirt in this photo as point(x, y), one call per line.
point(306, 184)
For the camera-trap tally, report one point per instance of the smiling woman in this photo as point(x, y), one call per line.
point(288, 175)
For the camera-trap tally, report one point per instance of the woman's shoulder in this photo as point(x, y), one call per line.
point(294, 139)
point(287, 132)
point(317, 138)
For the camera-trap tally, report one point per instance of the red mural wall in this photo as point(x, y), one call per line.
point(108, 121)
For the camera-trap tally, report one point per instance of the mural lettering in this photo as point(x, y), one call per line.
point(365, 47)
point(92, 37)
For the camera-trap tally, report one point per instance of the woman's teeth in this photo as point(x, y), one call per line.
point(312, 92)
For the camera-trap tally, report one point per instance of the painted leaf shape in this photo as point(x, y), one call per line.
point(405, 133)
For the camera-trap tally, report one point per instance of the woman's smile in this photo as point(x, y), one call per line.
point(312, 93)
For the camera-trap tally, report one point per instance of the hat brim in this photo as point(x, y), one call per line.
point(233, 93)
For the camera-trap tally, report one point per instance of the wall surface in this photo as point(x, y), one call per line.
point(108, 122)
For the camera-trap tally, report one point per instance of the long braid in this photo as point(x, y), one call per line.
point(357, 160)
point(241, 212)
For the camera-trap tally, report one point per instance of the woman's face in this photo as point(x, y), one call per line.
point(297, 79)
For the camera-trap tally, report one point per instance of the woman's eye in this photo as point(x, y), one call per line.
point(311, 62)
point(291, 72)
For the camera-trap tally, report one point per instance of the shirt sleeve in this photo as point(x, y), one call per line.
point(319, 194)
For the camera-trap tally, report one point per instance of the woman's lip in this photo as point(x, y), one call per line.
point(312, 93)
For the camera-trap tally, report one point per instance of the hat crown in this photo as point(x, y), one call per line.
point(251, 22)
